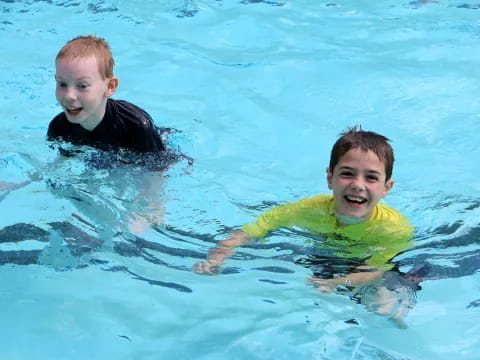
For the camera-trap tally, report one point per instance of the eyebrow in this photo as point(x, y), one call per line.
point(84, 78)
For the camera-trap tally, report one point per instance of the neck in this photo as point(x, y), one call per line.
point(349, 220)
point(91, 124)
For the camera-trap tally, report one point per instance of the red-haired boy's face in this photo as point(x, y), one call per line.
point(82, 92)
point(358, 183)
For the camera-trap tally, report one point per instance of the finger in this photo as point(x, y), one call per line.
point(205, 268)
point(320, 284)
point(316, 280)
point(200, 267)
point(325, 289)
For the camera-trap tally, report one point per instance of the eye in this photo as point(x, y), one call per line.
point(346, 173)
point(61, 84)
point(372, 178)
point(82, 86)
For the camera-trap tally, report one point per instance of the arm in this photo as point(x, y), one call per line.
point(373, 269)
point(385, 293)
point(366, 275)
point(151, 139)
point(275, 218)
point(384, 244)
point(224, 250)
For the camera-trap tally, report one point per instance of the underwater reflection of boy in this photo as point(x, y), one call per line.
point(352, 224)
point(85, 83)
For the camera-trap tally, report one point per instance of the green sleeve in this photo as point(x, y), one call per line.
point(276, 218)
point(310, 213)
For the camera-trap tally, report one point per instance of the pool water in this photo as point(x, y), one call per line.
point(259, 91)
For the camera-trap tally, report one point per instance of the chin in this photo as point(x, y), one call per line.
point(360, 213)
point(74, 120)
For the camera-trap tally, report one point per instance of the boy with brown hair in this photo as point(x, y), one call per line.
point(350, 224)
point(85, 84)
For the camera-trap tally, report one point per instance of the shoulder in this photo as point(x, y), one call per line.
point(57, 126)
point(384, 212)
point(396, 222)
point(135, 126)
point(317, 200)
point(318, 203)
point(58, 119)
point(130, 113)
point(321, 204)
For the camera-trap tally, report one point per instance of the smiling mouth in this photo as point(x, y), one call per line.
point(355, 200)
point(73, 111)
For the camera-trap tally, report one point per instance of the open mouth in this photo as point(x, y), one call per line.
point(73, 111)
point(355, 200)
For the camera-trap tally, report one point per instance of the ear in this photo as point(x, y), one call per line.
point(329, 179)
point(388, 186)
point(112, 85)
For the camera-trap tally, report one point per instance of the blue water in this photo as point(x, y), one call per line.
point(259, 90)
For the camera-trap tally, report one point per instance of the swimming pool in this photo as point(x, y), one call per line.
point(259, 90)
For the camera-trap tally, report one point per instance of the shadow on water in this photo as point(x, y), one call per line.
point(67, 247)
point(447, 255)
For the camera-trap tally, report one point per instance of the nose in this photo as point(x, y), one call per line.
point(70, 93)
point(357, 184)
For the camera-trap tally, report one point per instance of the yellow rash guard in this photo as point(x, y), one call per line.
point(377, 240)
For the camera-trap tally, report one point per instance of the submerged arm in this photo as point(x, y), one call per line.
point(366, 274)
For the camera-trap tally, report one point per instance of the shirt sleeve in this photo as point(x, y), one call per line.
point(276, 218)
point(291, 214)
point(55, 128)
point(142, 136)
point(152, 142)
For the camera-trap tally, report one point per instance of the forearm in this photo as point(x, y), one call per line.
point(238, 238)
point(365, 275)
point(224, 249)
point(217, 255)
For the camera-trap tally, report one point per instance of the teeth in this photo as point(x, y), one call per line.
point(355, 199)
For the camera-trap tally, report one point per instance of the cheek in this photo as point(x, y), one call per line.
point(337, 190)
point(379, 191)
point(339, 183)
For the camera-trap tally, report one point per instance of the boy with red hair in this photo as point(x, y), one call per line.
point(85, 84)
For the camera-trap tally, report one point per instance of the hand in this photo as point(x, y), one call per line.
point(215, 258)
point(326, 286)
point(394, 304)
point(205, 267)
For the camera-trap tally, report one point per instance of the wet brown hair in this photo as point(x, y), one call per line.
point(355, 137)
point(87, 46)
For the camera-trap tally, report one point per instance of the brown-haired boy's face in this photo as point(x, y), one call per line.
point(358, 182)
point(81, 90)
